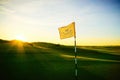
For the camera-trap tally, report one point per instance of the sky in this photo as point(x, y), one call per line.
point(97, 22)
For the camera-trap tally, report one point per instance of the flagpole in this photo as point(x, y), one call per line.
point(76, 72)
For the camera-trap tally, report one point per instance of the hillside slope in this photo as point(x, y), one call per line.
point(45, 61)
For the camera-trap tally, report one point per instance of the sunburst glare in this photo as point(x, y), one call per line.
point(21, 38)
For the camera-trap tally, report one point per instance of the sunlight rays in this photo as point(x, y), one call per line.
point(19, 46)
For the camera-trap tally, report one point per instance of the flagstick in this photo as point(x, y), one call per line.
point(76, 72)
point(76, 78)
point(66, 32)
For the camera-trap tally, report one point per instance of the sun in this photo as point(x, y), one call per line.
point(21, 38)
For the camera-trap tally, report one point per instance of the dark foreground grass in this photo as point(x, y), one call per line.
point(43, 61)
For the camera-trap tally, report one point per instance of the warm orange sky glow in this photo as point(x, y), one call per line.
point(97, 22)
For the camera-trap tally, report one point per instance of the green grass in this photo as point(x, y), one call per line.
point(45, 61)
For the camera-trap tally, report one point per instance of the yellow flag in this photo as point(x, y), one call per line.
point(67, 31)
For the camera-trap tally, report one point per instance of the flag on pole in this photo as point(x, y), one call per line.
point(67, 31)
